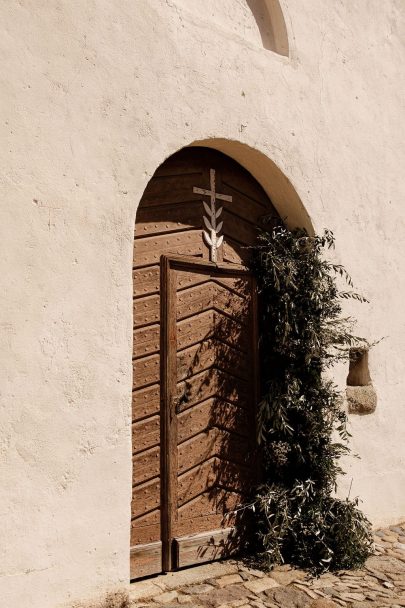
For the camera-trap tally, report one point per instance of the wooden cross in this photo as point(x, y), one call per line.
point(211, 235)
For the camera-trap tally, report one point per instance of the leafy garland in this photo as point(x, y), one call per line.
point(298, 518)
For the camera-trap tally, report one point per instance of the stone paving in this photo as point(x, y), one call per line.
point(230, 584)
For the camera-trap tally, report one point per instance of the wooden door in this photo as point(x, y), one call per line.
point(179, 216)
point(209, 379)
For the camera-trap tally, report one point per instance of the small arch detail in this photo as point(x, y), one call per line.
point(258, 22)
point(270, 21)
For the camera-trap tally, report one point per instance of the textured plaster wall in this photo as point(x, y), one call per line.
point(93, 96)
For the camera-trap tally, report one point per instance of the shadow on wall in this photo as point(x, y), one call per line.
point(271, 24)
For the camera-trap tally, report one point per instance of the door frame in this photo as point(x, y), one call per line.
point(168, 378)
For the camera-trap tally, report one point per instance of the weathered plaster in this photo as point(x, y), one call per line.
point(94, 96)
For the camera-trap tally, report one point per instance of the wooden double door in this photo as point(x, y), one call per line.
point(195, 363)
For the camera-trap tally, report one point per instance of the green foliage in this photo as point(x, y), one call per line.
point(300, 414)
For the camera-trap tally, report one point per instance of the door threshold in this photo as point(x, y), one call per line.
point(152, 586)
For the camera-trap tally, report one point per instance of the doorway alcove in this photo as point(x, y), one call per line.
point(195, 366)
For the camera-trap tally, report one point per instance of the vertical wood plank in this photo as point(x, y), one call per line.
point(168, 409)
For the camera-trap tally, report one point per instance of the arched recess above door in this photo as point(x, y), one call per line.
point(270, 21)
point(259, 22)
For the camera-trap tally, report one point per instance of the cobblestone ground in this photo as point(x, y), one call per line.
point(381, 583)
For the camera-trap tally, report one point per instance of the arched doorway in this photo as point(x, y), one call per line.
point(195, 360)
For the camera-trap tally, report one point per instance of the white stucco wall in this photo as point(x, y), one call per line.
point(94, 95)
